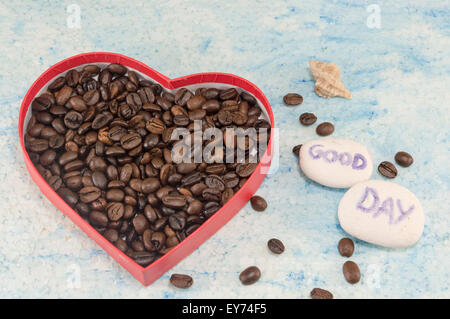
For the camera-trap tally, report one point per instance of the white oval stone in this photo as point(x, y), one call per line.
point(335, 162)
point(382, 213)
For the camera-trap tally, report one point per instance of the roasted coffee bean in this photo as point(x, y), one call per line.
point(210, 208)
point(144, 258)
point(196, 102)
point(296, 149)
point(325, 129)
point(293, 99)
point(150, 185)
point(177, 222)
point(116, 68)
point(275, 246)
point(404, 159)
point(227, 195)
point(115, 195)
point(98, 218)
point(183, 96)
point(245, 170)
point(130, 141)
point(174, 201)
point(115, 211)
point(307, 119)
point(351, 272)
point(69, 196)
point(63, 95)
point(346, 247)
point(155, 126)
point(89, 194)
point(318, 293)
point(55, 182)
point(186, 168)
point(47, 157)
point(250, 275)
point(181, 281)
point(258, 203)
point(101, 120)
point(158, 240)
point(140, 223)
point(211, 194)
point(195, 207)
point(387, 169)
point(73, 119)
point(214, 181)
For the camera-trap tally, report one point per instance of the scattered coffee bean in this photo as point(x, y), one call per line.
point(318, 293)
point(275, 246)
point(293, 99)
point(307, 119)
point(346, 247)
point(181, 281)
point(387, 169)
point(258, 203)
point(102, 138)
point(404, 159)
point(296, 149)
point(325, 129)
point(250, 275)
point(351, 272)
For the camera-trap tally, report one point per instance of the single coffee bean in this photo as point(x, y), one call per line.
point(258, 203)
point(275, 246)
point(387, 169)
point(296, 149)
point(307, 119)
point(293, 99)
point(140, 223)
point(404, 159)
point(73, 119)
point(98, 219)
point(351, 272)
point(250, 275)
point(89, 194)
point(325, 129)
point(245, 170)
point(318, 293)
point(181, 281)
point(115, 211)
point(346, 247)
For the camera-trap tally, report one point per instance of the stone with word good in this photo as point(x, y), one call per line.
point(382, 213)
point(336, 162)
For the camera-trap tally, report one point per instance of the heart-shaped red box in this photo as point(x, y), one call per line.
point(146, 275)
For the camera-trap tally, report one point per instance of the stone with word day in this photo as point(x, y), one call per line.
point(382, 213)
point(336, 162)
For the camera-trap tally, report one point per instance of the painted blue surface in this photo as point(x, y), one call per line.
point(398, 75)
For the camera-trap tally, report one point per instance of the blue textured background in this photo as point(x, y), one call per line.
point(399, 77)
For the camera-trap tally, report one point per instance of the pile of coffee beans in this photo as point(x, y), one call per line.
point(102, 138)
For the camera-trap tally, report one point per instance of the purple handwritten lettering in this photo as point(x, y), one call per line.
point(403, 214)
point(387, 208)
point(347, 157)
point(358, 161)
point(333, 159)
point(368, 191)
point(363, 163)
point(318, 153)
